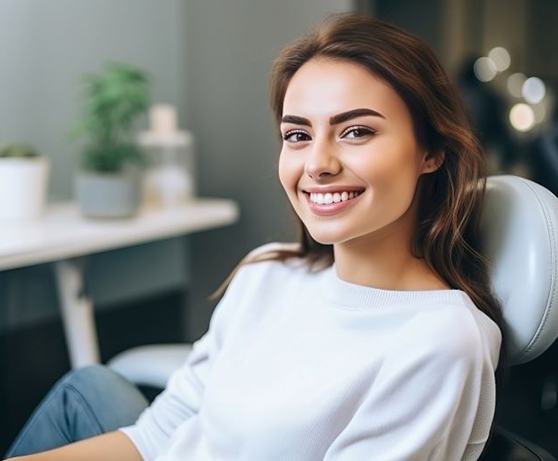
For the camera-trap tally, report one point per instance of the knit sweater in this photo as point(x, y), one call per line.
point(302, 365)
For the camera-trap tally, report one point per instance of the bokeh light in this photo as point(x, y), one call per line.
point(514, 84)
point(540, 112)
point(522, 117)
point(485, 69)
point(533, 90)
point(500, 57)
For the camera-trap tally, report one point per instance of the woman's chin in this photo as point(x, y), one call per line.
point(327, 236)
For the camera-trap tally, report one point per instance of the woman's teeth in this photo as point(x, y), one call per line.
point(326, 199)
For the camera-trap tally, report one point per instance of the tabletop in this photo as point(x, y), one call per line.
point(62, 232)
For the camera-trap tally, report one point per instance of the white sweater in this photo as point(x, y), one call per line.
point(300, 365)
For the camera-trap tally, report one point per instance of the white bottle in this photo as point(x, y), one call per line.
point(169, 179)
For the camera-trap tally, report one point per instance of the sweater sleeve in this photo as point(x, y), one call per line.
point(183, 394)
point(424, 401)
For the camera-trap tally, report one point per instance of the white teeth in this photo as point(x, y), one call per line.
point(326, 199)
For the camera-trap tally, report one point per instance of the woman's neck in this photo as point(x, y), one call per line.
point(384, 260)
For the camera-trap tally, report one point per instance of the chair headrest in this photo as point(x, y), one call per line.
point(519, 235)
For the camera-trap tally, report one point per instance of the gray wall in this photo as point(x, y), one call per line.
point(229, 49)
point(46, 46)
point(44, 49)
point(210, 57)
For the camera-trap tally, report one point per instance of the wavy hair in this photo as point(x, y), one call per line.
point(449, 199)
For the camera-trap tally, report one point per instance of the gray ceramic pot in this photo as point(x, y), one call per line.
point(109, 195)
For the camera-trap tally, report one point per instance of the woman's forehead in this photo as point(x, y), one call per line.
point(325, 87)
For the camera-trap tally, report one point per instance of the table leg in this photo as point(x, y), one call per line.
point(77, 314)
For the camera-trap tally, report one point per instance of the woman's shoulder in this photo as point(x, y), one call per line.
point(270, 260)
point(266, 265)
point(271, 249)
point(459, 330)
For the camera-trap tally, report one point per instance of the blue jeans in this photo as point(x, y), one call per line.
point(83, 403)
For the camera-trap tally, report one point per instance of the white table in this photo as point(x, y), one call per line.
point(63, 236)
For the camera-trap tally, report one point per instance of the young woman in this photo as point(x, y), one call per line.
point(376, 336)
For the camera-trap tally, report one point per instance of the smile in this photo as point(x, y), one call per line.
point(330, 204)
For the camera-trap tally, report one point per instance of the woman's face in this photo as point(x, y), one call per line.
point(346, 132)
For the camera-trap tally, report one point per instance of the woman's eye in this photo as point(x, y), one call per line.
point(295, 136)
point(357, 132)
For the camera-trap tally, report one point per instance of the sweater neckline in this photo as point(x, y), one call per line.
point(347, 294)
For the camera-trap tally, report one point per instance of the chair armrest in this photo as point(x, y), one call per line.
point(507, 446)
point(150, 365)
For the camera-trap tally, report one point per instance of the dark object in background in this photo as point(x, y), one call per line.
point(510, 447)
point(487, 112)
point(543, 160)
point(33, 358)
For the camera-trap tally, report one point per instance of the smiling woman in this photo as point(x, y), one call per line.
point(387, 181)
point(376, 336)
point(333, 148)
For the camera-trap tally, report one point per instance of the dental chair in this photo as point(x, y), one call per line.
point(519, 230)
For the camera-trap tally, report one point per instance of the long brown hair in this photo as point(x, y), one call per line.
point(449, 199)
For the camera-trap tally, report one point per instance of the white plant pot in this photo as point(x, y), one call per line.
point(23, 187)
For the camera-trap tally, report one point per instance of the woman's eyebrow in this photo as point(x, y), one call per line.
point(295, 119)
point(335, 119)
point(350, 114)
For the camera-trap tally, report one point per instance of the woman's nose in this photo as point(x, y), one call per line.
point(322, 159)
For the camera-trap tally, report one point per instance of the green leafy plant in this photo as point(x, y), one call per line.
point(18, 151)
point(114, 100)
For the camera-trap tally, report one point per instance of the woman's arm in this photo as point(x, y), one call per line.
point(179, 401)
point(183, 395)
point(112, 446)
point(433, 398)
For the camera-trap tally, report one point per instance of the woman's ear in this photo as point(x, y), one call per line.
point(433, 161)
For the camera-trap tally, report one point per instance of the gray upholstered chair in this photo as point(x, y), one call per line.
point(520, 238)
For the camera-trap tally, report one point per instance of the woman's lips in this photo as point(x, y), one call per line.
point(332, 208)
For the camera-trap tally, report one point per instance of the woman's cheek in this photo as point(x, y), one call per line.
point(401, 191)
point(283, 172)
point(288, 175)
point(393, 180)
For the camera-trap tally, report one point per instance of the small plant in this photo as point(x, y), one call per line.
point(18, 151)
point(114, 100)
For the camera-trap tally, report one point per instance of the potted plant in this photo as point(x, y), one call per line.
point(109, 182)
point(23, 182)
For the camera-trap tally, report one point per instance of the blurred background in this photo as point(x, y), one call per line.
point(210, 60)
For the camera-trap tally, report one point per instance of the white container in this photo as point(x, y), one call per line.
point(169, 178)
point(170, 175)
point(23, 187)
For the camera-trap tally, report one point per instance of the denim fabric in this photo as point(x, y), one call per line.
point(83, 403)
